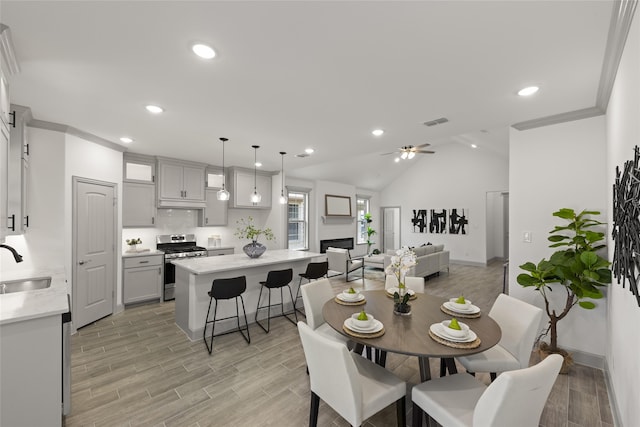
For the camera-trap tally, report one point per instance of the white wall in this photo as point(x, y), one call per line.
point(560, 166)
point(42, 246)
point(623, 133)
point(455, 177)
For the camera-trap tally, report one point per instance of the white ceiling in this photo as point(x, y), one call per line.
point(296, 74)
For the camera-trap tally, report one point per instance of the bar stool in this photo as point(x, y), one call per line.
point(225, 289)
point(276, 279)
point(315, 270)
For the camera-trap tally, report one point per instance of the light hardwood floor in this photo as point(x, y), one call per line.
point(138, 368)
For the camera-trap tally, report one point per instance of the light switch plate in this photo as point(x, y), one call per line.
point(526, 237)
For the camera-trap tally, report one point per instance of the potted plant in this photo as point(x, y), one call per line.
point(370, 232)
point(133, 244)
point(577, 268)
point(399, 264)
point(246, 230)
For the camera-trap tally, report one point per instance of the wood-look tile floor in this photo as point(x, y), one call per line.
point(139, 368)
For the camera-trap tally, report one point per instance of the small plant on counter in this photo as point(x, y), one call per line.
point(134, 241)
point(246, 230)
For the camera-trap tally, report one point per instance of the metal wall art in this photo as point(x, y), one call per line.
point(626, 224)
point(440, 221)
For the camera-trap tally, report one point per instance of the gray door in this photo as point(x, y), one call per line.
point(390, 228)
point(94, 254)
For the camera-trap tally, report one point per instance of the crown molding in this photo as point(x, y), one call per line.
point(6, 50)
point(57, 127)
point(621, 17)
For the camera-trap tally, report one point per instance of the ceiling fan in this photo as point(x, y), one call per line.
point(409, 151)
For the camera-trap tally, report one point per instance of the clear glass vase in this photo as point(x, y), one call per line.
point(254, 249)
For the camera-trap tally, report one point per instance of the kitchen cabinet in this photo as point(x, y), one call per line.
point(180, 184)
point(242, 185)
point(18, 213)
point(219, 251)
point(142, 278)
point(4, 180)
point(138, 205)
point(139, 168)
point(31, 366)
point(215, 211)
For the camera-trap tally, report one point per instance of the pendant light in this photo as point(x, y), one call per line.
point(255, 196)
point(223, 194)
point(283, 198)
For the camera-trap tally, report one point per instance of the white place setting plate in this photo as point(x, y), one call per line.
point(471, 310)
point(355, 298)
point(376, 326)
point(440, 331)
point(391, 291)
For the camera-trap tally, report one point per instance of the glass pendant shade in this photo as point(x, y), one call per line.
point(411, 155)
point(255, 196)
point(223, 194)
point(404, 155)
point(283, 199)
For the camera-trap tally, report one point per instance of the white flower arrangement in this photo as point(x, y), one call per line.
point(401, 262)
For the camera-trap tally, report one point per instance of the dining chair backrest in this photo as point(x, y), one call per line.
point(228, 288)
point(414, 283)
point(316, 270)
point(517, 398)
point(279, 278)
point(314, 296)
point(519, 322)
point(332, 372)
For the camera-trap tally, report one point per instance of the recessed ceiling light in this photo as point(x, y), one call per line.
point(126, 139)
point(527, 91)
point(377, 132)
point(258, 164)
point(309, 150)
point(474, 146)
point(154, 109)
point(203, 51)
point(397, 159)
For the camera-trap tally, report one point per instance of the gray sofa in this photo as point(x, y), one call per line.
point(430, 259)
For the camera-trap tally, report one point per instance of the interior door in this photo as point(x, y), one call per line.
point(95, 256)
point(390, 228)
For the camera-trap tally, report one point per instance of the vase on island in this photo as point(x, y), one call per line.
point(254, 249)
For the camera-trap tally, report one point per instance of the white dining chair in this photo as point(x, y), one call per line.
point(519, 322)
point(314, 296)
point(355, 387)
point(515, 398)
point(414, 283)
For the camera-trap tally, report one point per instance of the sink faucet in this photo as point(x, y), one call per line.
point(15, 253)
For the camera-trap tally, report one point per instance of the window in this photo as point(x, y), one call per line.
point(298, 220)
point(362, 207)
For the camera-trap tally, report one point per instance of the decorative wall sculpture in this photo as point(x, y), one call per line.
point(626, 224)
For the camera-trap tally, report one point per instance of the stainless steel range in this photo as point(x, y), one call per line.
point(176, 246)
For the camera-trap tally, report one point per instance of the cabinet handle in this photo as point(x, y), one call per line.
point(153, 220)
point(206, 220)
point(159, 271)
point(26, 221)
point(13, 222)
point(13, 115)
point(26, 149)
point(143, 262)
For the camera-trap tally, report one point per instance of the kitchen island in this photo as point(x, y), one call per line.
point(195, 275)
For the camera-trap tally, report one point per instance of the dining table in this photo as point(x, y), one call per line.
point(410, 334)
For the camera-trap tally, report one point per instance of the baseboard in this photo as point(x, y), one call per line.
point(472, 263)
point(613, 403)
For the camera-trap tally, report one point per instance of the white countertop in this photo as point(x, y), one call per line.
point(207, 265)
point(148, 252)
point(19, 306)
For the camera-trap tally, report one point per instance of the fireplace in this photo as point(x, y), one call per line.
point(344, 243)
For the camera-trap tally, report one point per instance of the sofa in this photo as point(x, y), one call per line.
point(430, 259)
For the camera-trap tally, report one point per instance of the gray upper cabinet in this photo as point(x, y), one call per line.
point(241, 187)
point(215, 213)
point(18, 214)
point(4, 186)
point(139, 168)
point(180, 184)
point(138, 205)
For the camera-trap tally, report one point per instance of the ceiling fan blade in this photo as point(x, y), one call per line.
point(426, 144)
point(386, 154)
point(424, 152)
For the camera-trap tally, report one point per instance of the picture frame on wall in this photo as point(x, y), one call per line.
point(337, 205)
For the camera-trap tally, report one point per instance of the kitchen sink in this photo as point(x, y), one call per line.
point(25, 285)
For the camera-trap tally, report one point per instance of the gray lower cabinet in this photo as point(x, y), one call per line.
point(215, 212)
point(219, 251)
point(142, 278)
point(138, 205)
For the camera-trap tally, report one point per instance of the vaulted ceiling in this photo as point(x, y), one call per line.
point(296, 74)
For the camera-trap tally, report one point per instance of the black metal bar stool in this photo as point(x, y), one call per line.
point(222, 289)
point(315, 270)
point(276, 279)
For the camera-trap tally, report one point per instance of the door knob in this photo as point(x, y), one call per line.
point(84, 262)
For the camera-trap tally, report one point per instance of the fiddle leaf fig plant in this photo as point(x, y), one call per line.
point(577, 268)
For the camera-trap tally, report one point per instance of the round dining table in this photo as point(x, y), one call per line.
point(409, 334)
